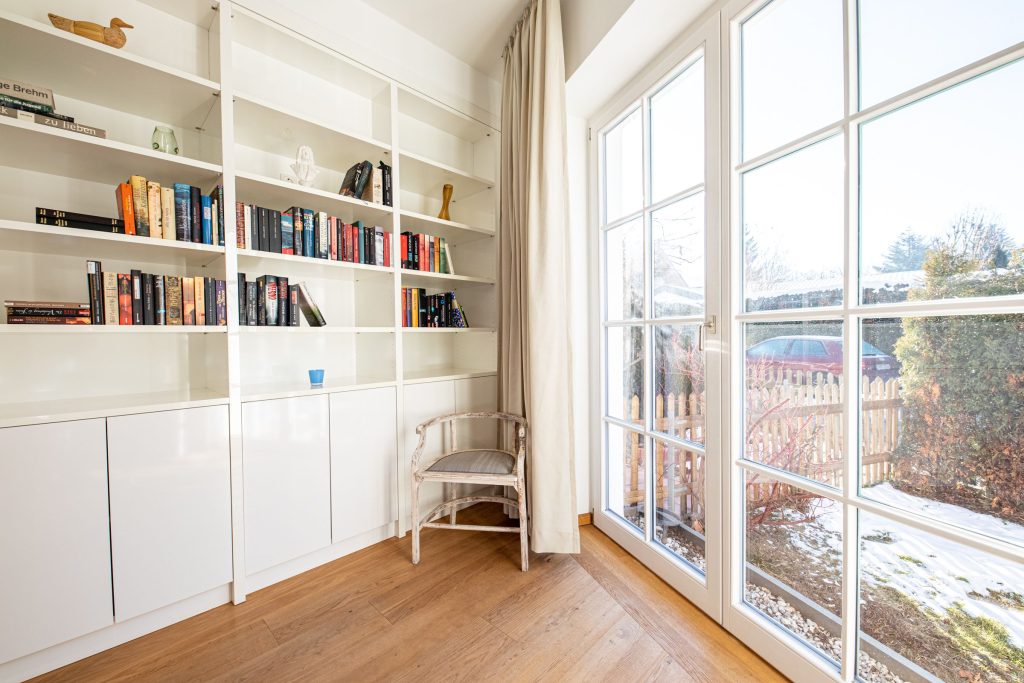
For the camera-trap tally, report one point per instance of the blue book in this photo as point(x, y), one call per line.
point(182, 212)
point(207, 204)
point(287, 234)
point(307, 233)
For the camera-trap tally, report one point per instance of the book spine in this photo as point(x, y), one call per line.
point(261, 300)
point(94, 278)
point(148, 302)
point(55, 311)
point(167, 213)
point(160, 299)
point(257, 227)
point(137, 306)
point(70, 126)
point(110, 313)
point(182, 212)
point(188, 301)
point(241, 299)
point(48, 320)
point(271, 294)
point(332, 238)
point(199, 294)
point(124, 299)
point(174, 300)
point(78, 225)
point(264, 229)
point(287, 234)
point(248, 226)
point(24, 104)
point(293, 305)
point(195, 198)
point(207, 219)
point(156, 226)
point(251, 303)
point(125, 208)
point(307, 233)
point(79, 217)
point(211, 301)
point(309, 309)
point(221, 234)
point(387, 249)
point(275, 231)
point(378, 248)
point(283, 312)
point(323, 239)
point(140, 202)
point(26, 92)
point(221, 302)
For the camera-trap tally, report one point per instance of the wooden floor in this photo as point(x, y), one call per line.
point(465, 613)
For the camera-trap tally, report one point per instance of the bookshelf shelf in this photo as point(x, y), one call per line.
point(452, 231)
point(448, 330)
point(425, 110)
point(83, 69)
point(329, 329)
point(427, 279)
point(40, 148)
point(341, 266)
point(256, 189)
point(423, 176)
point(60, 410)
point(442, 374)
point(111, 329)
point(46, 239)
point(277, 390)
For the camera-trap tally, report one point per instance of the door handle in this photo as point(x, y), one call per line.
point(709, 326)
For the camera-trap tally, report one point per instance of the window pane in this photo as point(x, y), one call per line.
point(623, 168)
point(626, 373)
point(943, 420)
point(677, 232)
point(942, 211)
point(679, 398)
point(624, 274)
point(793, 230)
point(677, 134)
point(794, 563)
point(794, 400)
point(954, 611)
point(906, 43)
point(679, 490)
point(792, 79)
point(626, 474)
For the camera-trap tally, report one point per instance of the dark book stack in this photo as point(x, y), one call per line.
point(82, 221)
point(425, 252)
point(312, 234)
point(47, 313)
point(420, 309)
point(271, 301)
point(138, 298)
point(33, 104)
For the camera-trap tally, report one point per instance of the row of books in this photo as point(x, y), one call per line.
point(180, 212)
point(47, 313)
point(426, 252)
point(270, 300)
point(314, 234)
point(35, 104)
point(420, 309)
point(370, 184)
point(138, 298)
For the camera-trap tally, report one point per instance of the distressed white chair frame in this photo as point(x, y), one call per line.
point(516, 479)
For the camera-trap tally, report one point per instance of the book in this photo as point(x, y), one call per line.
point(31, 112)
point(374, 190)
point(27, 92)
point(125, 207)
point(53, 311)
point(307, 233)
point(323, 236)
point(94, 278)
point(275, 231)
point(140, 203)
point(148, 300)
point(240, 225)
point(167, 214)
point(287, 234)
point(251, 297)
point(283, 313)
point(199, 295)
point(207, 219)
point(137, 305)
point(210, 300)
point(195, 199)
point(15, 112)
point(270, 299)
point(24, 105)
point(160, 298)
point(263, 223)
point(221, 301)
point(110, 308)
point(387, 249)
point(124, 299)
point(446, 258)
point(214, 219)
point(79, 217)
point(261, 301)
point(182, 212)
point(309, 309)
point(174, 299)
point(242, 309)
point(378, 248)
point(188, 301)
point(48, 320)
point(156, 224)
point(248, 227)
point(348, 182)
point(386, 183)
point(293, 305)
point(332, 238)
point(12, 303)
point(218, 194)
point(80, 225)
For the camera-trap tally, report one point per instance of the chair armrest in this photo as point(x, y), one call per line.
point(483, 415)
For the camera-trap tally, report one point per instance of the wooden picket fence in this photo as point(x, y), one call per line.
point(794, 421)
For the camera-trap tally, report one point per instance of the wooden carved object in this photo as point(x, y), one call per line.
point(112, 35)
point(446, 198)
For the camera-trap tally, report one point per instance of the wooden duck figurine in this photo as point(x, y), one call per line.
point(112, 36)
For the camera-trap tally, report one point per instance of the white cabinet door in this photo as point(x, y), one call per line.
point(170, 506)
point(422, 402)
point(364, 460)
point(287, 473)
point(54, 535)
point(477, 394)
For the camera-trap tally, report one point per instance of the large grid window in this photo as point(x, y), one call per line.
point(879, 317)
point(653, 280)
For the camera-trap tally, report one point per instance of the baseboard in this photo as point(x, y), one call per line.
point(63, 654)
point(287, 570)
point(586, 518)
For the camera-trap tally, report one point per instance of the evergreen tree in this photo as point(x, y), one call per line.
point(906, 253)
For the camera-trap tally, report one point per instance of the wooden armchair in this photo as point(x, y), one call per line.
point(471, 466)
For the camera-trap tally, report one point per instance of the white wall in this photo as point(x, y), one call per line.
point(584, 24)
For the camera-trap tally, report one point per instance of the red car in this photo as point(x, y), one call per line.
point(811, 353)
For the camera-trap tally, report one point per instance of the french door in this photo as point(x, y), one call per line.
point(660, 356)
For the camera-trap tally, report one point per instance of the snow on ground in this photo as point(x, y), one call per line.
point(935, 572)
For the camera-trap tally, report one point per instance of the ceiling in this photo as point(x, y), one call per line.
point(474, 31)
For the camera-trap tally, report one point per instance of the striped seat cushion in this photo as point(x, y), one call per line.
point(476, 462)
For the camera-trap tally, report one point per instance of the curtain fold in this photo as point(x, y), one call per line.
point(535, 355)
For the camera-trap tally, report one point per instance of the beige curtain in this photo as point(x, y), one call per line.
point(535, 357)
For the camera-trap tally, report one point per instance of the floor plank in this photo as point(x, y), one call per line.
point(465, 613)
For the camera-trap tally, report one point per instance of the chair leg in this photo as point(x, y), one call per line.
point(451, 493)
point(415, 520)
point(524, 540)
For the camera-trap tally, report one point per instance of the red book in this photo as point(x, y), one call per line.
point(332, 236)
point(125, 208)
point(356, 246)
point(424, 258)
point(387, 249)
point(124, 297)
point(403, 249)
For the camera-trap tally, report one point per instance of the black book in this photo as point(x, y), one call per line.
point(241, 300)
point(55, 214)
point(348, 184)
point(283, 302)
point(293, 305)
point(254, 217)
point(261, 300)
point(160, 299)
point(137, 306)
point(65, 223)
point(385, 177)
point(221, 302)
point(210, 300)
point(424, 321)
point(363, 175)
point(195, 198)
point(275, 231)
point(416, 252)
point(251, 298)
point(94, 278)
point(148, 301)
point(264, 228)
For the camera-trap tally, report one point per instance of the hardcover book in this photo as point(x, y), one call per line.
point(309, 309)
point(47, 320)
point(160, 296)
point(54, 311)
point(21, 104)
point(287, 234)
point(79, 217)
point(251, 298)
point(188, 301)
point(211, 300)
point(207, 219)
point(196, 205)
point(167, 217)
point(307, 233)
point(240, 225)
point(140, 203)
point(261, 301)
point(110, 305)
point(79, 225)
point(124, 299)
point(137, 306)
point(263, 221)
point(156, 225)
point(125, 208)
point(275, 231)
point(199, 294)
point(27, 92)
point(283, 302)
point(182, 212)
point(148, 300)
point(222, 301)
point(94, 277)
point(174, 299)
point(293, 305)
